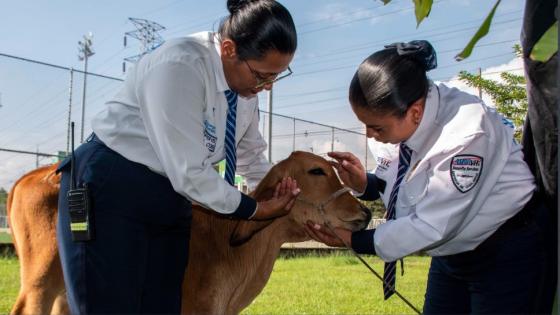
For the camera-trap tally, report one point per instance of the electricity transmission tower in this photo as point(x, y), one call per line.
point(147, 33)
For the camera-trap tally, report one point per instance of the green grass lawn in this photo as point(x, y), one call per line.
point(5, 238)
point(9, 282)
point(334, 284)
point(338, 284)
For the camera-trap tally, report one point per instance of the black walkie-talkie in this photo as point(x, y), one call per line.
point(79, 205)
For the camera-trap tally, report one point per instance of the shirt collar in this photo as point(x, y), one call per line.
point(221, 83)
point(421, 135)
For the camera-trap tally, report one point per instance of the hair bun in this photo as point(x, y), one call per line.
point(235, 6)
point(419, 50)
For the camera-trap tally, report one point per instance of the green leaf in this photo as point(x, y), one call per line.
point(482, 31)
point(547, 45)
point(422, 9)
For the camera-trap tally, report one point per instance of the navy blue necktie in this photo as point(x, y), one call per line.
point(231, 157)
point(390, 268)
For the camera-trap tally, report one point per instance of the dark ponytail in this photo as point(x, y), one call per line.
point(258, 26)
point(392, 79)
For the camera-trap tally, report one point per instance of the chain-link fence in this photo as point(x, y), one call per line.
point(38, 100)
point(292, 134)
point(3, 222)
point(3, 218)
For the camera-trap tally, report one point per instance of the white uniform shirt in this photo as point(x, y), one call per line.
point(466, 178)
point(170, 115)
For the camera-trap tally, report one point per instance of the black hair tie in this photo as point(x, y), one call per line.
point(420, 50)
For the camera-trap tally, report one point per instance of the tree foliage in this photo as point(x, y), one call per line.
point(3, 196)
point(543, 50)
point(377, 208)
point(510, 96)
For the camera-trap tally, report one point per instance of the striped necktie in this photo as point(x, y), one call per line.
point(390, 268)
point(230, 148)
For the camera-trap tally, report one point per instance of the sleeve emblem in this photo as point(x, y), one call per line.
point(210, 138)
point(465, 171)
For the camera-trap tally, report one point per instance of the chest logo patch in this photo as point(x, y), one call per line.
point(383, 163)
point(465, 171)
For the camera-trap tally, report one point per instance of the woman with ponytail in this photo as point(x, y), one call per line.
point(182, 109)
point(453, 181)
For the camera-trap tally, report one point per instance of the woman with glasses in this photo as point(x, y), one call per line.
point(453, 181)
point(183, 108)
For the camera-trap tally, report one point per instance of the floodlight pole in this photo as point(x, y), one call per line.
point(69, 110)
point(85, 52)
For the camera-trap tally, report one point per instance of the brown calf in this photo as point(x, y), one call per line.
point(230, 261)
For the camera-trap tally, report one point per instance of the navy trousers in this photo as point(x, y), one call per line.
point(501, 276)
point(137, 259)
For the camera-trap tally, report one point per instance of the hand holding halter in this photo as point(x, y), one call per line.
point(339, 237)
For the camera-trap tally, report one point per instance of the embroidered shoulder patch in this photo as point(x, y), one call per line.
point(465, 171)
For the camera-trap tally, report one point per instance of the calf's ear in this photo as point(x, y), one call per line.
point(244, 230)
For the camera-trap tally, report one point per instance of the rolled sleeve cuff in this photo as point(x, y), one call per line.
point(246, 208)
point(371, 192)
point(362, 242)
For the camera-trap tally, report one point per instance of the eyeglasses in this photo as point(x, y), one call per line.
point(262, 80)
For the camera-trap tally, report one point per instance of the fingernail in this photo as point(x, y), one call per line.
point(316, 226)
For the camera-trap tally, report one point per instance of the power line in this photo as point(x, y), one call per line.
point(54, 114)
point(311, 93)
point(147, 32)
point(212, 20)
point(28, 152)
point(355, 65)
point(428, 32)
point(310, 122)
point(447, 78)
point(33, 112)
point(356, 20)
point(338, 88)
point(159, 9)
point(341, 15)
point(355, 48)
point(44, 107)
point(58, 66)
point(363, 19)
point(315, 133)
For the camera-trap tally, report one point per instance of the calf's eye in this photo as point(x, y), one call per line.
point(317, 171)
